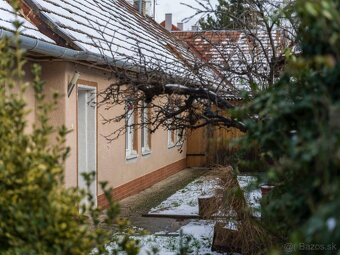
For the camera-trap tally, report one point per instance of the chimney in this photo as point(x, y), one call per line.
point(148, 8)
point(139, 4)
point(194, 28)
point(180, 26)
point(168, 21)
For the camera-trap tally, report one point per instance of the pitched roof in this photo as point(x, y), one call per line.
point(8, 16)
point(209, 42)
point(235, 52)
point(114, 28)
point(206, 42)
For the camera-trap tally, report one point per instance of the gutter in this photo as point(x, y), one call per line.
point(50, 49)
point(53, 50)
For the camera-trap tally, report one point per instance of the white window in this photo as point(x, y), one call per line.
point(146, 136)
point(131, 151)
point(171, 138)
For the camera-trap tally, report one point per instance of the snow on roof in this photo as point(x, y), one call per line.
point(234, 52)
point(8, 16)
point(114, 28)
point(216, 46)
point(207, 42)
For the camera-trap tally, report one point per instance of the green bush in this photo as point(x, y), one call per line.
point(299, 131)
point(38, 215)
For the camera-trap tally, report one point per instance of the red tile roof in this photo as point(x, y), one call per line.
point(208, 43)
point(173, 27)
point(205, 42)
point(233, 53)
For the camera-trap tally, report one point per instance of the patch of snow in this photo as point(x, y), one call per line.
point(331, 224)
point(267, 186)
point(197, 235)
point(8, 16)
point(232, 225)
point(185, 201)
point(251, 192)
point(199, 229)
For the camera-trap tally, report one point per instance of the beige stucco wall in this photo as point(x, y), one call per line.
point(111, 162)
point(29, 98)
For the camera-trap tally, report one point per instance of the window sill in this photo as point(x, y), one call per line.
point(131, 156)
point(171, 145)
point(146, 151)
point(180, 144)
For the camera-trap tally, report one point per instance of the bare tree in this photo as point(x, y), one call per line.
point(195, 89)
point(171, 101)
point(254, 54)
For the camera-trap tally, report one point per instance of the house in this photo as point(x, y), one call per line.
point(75, 42)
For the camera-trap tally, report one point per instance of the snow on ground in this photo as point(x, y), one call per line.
point(251, 192)
point(185, 201)
point(197, 236)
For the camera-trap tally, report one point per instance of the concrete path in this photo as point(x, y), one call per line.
point(135, 206)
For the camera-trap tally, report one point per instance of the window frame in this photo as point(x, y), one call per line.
point(171, 138)
point(130, 133)
point(145, 131)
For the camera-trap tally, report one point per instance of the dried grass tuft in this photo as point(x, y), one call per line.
point(250, 236)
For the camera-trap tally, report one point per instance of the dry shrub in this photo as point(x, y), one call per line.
point(208, 206)
point(250, 236)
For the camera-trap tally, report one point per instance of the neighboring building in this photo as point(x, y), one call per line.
point(74, 41)
point(241, 57)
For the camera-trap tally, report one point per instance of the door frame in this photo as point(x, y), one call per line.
point(91, 86)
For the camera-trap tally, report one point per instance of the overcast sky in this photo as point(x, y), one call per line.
point(179, 11)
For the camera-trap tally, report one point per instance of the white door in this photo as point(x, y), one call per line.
point(87, 136)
